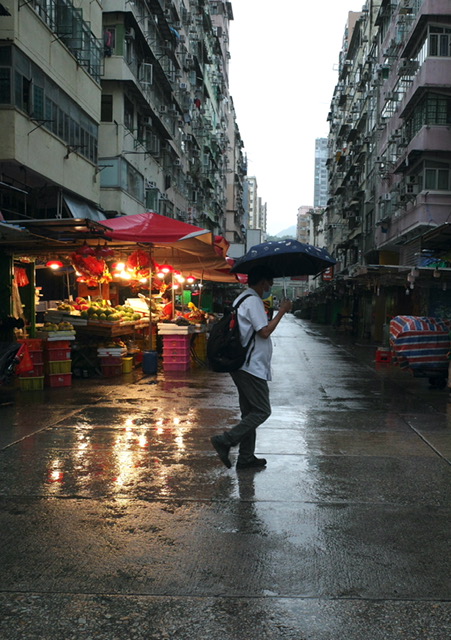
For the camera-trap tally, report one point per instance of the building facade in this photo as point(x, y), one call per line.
point(386, 219)
point(118, 107)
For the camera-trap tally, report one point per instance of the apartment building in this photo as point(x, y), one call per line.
point(51, 62)
point(389, 168)
point(168, 134)
point(117, 107)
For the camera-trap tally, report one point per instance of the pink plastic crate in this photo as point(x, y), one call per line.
point(176, 342)
point(176, 352)
point(177, 359)
point(176, 366)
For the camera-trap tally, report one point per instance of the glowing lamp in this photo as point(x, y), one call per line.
point(54, 264)
point(165, 268)
point(190, 279)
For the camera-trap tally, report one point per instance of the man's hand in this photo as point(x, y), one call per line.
point(286, 306)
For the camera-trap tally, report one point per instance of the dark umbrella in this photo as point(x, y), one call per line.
point(285, 258)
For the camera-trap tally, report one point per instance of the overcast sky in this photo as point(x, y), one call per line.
point(283, 71)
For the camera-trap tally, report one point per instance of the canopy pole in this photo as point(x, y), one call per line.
point(150, 300)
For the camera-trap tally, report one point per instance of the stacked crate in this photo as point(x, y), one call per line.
point(176, 352)
point(58, 363)
point(33, 380)
point(111, 360)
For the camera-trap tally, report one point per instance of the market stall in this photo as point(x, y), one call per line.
point(115, 277)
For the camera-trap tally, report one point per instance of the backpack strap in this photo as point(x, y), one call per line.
point(252, 338)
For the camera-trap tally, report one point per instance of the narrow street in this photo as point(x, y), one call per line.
point(119, 522)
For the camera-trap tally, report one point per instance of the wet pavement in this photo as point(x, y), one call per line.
point(119, 522)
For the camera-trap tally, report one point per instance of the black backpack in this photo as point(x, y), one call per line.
point(225, 352)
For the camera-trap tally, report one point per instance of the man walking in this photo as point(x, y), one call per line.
point(251, 379)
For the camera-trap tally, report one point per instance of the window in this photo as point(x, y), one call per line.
point(432, 110)
point(38, 103)
point(440, 41)
point(128, 114)
point(5, 86)
point(437, 176)
point(106, 114)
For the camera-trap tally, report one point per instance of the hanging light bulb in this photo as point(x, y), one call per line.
point(54, 264)
point(415, 272)
point(190, 279)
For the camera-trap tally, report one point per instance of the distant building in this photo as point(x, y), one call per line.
point(303, 224)
point(321, 174)
point(256, 209)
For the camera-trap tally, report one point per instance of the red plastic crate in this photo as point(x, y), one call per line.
point(110, 360)
point(111, 370)
point(58, 380)
point(57, 344)
point(33, 344)
point(53, 355)
point(383, 355)
point(38, 371)
point(37, 357)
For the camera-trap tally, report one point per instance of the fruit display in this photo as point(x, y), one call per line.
point(60, 326)
point(195, 315)
point(100, 311)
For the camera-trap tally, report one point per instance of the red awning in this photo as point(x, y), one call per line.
point(152, 228)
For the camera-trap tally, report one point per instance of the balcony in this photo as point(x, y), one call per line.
point(427, 11)
point(433, 139)
point(434, 73)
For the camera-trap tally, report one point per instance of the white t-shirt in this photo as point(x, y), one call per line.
point(252, 317)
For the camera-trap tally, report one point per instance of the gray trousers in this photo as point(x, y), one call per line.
point(253, 396)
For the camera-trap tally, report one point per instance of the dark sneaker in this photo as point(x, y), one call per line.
point(222, 449)
point(255, 463)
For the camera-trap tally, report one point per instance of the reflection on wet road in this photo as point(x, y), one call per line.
point(112, 503)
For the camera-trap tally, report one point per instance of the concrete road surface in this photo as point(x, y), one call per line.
point(119, 522)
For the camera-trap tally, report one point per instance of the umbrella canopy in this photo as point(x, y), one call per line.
point(285, 258)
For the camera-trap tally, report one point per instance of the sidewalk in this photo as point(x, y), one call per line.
point(119, 522)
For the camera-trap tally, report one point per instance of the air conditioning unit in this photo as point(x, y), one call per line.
point(386, 197)
point(189, 57)
point(149, 184)
point(163, 108)
point(183, 86)
point(177, 162)
point(130, 33)
point(412, 189)
point(147, 121)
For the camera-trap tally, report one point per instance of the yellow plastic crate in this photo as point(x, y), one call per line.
point(59, 366)
point(31, 384)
